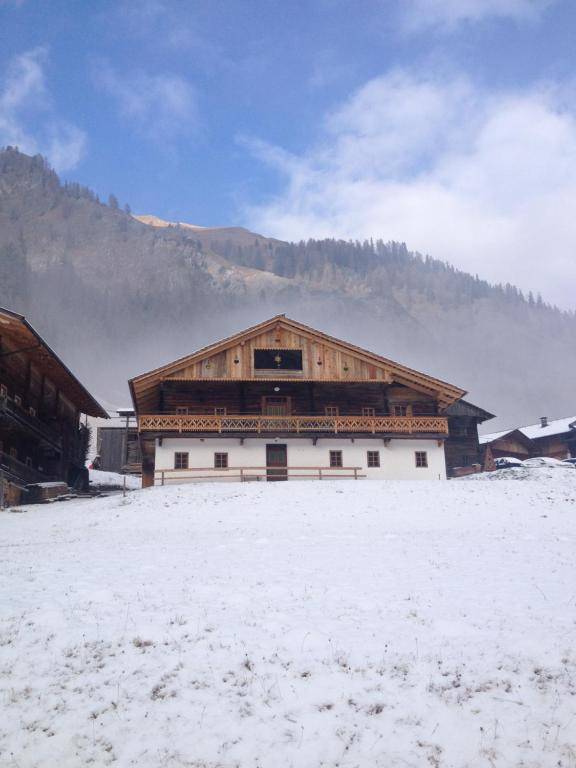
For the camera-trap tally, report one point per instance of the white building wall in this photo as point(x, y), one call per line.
point(397, 458)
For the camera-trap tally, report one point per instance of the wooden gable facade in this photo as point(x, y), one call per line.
point(281, 378)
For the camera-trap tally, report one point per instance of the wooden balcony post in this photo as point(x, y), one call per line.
point(319, 474)
point(355, 473)
point(162, 477)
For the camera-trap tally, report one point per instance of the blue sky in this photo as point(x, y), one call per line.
point(449, 124)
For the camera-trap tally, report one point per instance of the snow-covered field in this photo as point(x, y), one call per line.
point(293, 624)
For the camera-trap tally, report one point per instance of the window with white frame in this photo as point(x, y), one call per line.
point(336, 459)
point(421, 459)
point(220, 461)
point(181, 460)
point(373, 459)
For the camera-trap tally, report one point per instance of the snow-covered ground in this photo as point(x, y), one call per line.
point(293, 624)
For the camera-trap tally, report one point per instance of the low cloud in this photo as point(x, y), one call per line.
point(28, 118)
point(448, 14)
point(484, 181)
point(161, 106)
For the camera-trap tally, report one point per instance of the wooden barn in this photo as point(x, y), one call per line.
point(281, 400)
point(463, 451)
point(41, 402)
point(554, 438)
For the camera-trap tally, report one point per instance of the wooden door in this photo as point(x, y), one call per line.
point(276, 456)
point(276, 406)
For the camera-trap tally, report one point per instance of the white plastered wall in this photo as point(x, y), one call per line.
point(397, 457)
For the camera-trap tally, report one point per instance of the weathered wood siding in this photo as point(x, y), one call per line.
point(320, 361)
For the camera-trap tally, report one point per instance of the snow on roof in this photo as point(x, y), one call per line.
point(493, 436)
point(555, 427)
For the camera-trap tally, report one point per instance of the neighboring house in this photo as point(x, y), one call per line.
point(281, 400)
point(462, 447)
point(556, 439)
point(41, 402)
point(117, 445)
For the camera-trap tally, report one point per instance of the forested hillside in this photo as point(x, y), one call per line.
point(116, 296)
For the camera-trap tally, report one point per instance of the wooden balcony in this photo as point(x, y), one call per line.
point(387, 425)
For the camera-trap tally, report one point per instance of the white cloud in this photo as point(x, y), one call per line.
point(486, 182)
point(162, 106)
point(448, 14)
point(28, 119)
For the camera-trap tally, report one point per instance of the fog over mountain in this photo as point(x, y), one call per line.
point(115, 296)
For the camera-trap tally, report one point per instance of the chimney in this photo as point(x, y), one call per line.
point(543, 421)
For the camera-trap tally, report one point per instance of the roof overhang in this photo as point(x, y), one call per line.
point(445, 393)
point(29, 341)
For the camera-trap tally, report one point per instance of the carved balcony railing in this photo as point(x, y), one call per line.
point(403, 425)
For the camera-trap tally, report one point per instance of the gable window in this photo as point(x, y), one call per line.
point(335, 458)
point(368, 412)
point(332, 410)
point(180, 460)
point(421, 459)
point(278, 359)
point(373, 458)
point(400, 410)
point(221, 461)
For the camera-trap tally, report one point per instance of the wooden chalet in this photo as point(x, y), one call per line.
point(41, 402)
point(281, 400)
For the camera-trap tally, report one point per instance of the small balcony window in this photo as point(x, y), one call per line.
point(400, 410)
point(219, 411)
point(182, 410)
point(368, 412)
point(332, 410)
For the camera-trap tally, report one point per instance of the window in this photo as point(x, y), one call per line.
point(373, 458)
point(32, 411)
point(17, 399)
point(335, 458)
point(3, 390)
point(221, 461)
point(280, 359)
point(182, 410)
point(332, 410)
point(14, 453)
point(421, 458)
point(368, 412)
point(400, 410)
point(219, 411)
point(180, 460)
point(28, 461)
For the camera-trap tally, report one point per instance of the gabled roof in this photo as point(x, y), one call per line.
point(446, 393)
point(33, 345)
point(555, 427)
point(464, 408)
point(514, 434)
point(567, 425)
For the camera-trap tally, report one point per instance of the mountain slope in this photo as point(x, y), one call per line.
point(130, 294)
